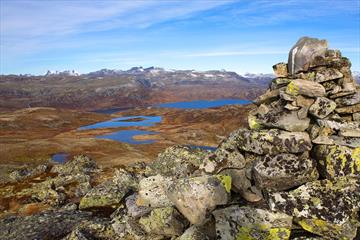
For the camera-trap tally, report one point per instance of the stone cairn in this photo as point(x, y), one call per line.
point(294, 174)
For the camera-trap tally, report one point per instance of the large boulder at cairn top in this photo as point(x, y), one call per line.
point(251, 223)
point(284, 171)
point(304, 52)
point(196, 197)
point(324, 207)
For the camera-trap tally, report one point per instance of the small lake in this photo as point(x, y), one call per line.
point(130, 121)
point(127, 136)
point(201, 104)
point(60, 157)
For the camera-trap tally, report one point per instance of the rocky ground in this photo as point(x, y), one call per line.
point(292, 174)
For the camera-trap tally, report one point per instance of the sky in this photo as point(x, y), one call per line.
point(242, 36)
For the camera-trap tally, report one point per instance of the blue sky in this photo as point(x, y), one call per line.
point(242, 36)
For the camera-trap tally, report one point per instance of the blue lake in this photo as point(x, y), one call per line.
point(60, 157)
point(130, 121)
point(201, 104)
point(127, 136)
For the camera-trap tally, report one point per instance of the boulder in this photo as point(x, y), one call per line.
point(166, 222)
point(336, 161)
point(283, 171)
point(152, 192)
point(178, 161)
point(349, 109)
point(78, 165)
point(196, 197)
point(133, 210)
point(279, 83)
point(323, 207)
point(322, 107)
point(272, 141)
point(304, 52)
point(306, 88)
point(328, 74)
point(237, 222)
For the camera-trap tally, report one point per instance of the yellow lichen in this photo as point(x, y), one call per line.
point(253, 123)
point(292, 89)
point(355, 155)
point(278, 234)
point(252, 233)
point(225, 181)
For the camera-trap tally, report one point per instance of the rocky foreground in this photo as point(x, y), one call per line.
point(294, 174)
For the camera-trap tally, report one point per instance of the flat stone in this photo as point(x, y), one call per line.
point(283, 171)
point(337, 125)
point(322, 107)
point(133, 210)
point(304, 52)
point(349, 132)
point(152, 192)
point(268, 96)
point(348, 100)
point(306, 88)
point(164, 222)
point(279, 83)
point(356, 117)
point(349, 109)
point(341, 94)
point(272, 141)
point(196, 197)
point(251, 223)
point(291, 107)
point(280, 70)
point(323, 207)
point(310, 76)
point(328, 74)
point(336, 161)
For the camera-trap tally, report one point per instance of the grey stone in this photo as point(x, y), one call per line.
point(306, 88)
point(152, 192)
point(322, 107)
point(328, 74)
point(280, 70)
point(304, 52)
point(348, 100)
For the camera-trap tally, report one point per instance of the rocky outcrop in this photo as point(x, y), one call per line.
point(293, 174)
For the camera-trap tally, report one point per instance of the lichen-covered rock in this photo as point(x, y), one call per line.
point(27, 172)
point(78, 165)
point(267, 97)
point(304, 52)
point(349, 109)
point(280, 69)
point(133, 210)
point(328, 74)
point(45, 225)
point(306, 88)
point(349, 100)
point(336, 161)
point(324, 207)
point(284, 171)
point(178, 161)
point(203, 232)
point(152, 192)
point(322, 107)
point(109, 194)
point(164, 221)
point(251, 223)
point(278, 83)
point(272, 141)
point(196, 197)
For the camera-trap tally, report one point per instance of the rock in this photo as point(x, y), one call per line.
point(251, 223)
point(323, 207)
point(328, 74)
point(356, 117)
point(349, 109)
point(164, 221)
point(178, 161)
point(152, 192)
point(348, 100)
point(337, 125)
point(133, 210)
point(242, 184)
point(322, 107)
point(272, 141)
point(310, 76)
point(44, 225)
point(352, 142)
point(78, 165)
point(304, 52)
point(344, 132)
point(109, 194)
point(283, 171)
point(342, 93)
point(306, 88)
point(336, 161)
point(96, 228)
point(198, 233)
point(280, 70)
point(291, 107)
point(267, 97)
point(27, 172)
point(279, 83)
point(196, 197)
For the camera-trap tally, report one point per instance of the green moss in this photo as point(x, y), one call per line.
point(226, 182)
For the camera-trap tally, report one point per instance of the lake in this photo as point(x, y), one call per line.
point(201, 104)
point(60, 157)
point(148, 121)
